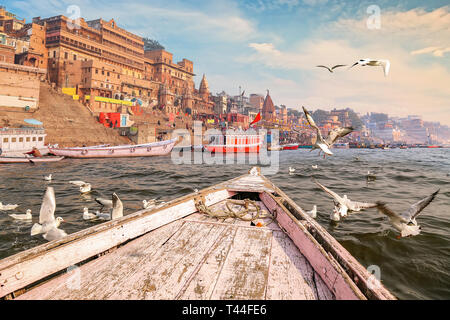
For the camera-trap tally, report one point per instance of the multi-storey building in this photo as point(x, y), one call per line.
point(9, 22)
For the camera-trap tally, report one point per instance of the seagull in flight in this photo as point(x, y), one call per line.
point(372, 62)
point(406, 222)
point(331, 70)
point(344, 204)
point(325, 144)
point(105, 203)
point(47, 220)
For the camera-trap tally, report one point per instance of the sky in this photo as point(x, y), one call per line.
point(275, 45)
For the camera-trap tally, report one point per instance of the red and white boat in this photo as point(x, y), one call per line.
point(290, 146)
point(235, 143)
point(143, 150)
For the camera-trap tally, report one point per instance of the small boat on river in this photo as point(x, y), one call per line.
point(142, 150)
point(290, 146)
point(29, 159)
point(242, 239)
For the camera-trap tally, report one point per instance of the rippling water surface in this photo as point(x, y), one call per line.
point(412, 268)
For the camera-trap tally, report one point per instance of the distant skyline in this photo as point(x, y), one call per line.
point(276, 44)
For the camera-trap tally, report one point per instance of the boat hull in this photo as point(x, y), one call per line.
point(27, 160)
point(149, 150)
point(290, 147)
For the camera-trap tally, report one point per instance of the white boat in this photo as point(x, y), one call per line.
point(141, 150)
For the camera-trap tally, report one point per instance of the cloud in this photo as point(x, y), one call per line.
point(410, 88)
point(215, 21)
point(435, 51)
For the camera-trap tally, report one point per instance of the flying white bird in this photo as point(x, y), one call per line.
point(87, 215)
point(26, 216)
point(325, 144)
point(47, 219)
point(105, 203)
point(48, 178)
point(344, 204)
point(372, 62)
point(115, 212)
point(331, 70)
point(313, 212)
point(406, 222)
point(8, 207)
point(54, 234)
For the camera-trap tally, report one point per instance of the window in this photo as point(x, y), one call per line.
point(28, 139)
point(34, 138)
point(40, 139)
point(96, 71)
point(5, 140)
point(74, 57)
point(13, 139)
point(66, 55)
point(54, 54)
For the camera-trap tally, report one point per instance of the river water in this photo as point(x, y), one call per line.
point(411, 268)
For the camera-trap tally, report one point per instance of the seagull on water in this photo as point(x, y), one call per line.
point(115, 212)
point(8, 207)
point(372, 62)
point(315, 166)
point(291, 170)
point(148, 204)
point(47, 219)
point(335, 215)
point(26, 216)
point(48, 178)
point(87, 215)
point(331, 70)
point(325, 144)
point(344, 204)
point(406, 222)
point(313, 212)
point(84, 186)
point(370, 176)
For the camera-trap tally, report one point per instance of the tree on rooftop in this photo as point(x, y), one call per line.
point(150, 45)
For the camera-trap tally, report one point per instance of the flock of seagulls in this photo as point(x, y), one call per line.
point(48, 225)
point(405, 222)
point(364, 62)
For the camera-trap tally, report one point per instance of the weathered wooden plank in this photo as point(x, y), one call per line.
point(290, 275)
point(170, 267)
point(331, 273)
point(201, 285)
point(100, 278)
point(359, 275)
point(18, 271)
point(323, 293)
point(244, 274)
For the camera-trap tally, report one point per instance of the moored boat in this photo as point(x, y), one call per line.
point(241, 239)
point(290, 146)
point(240, 142)
point(29, 159)
point(142, 150)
